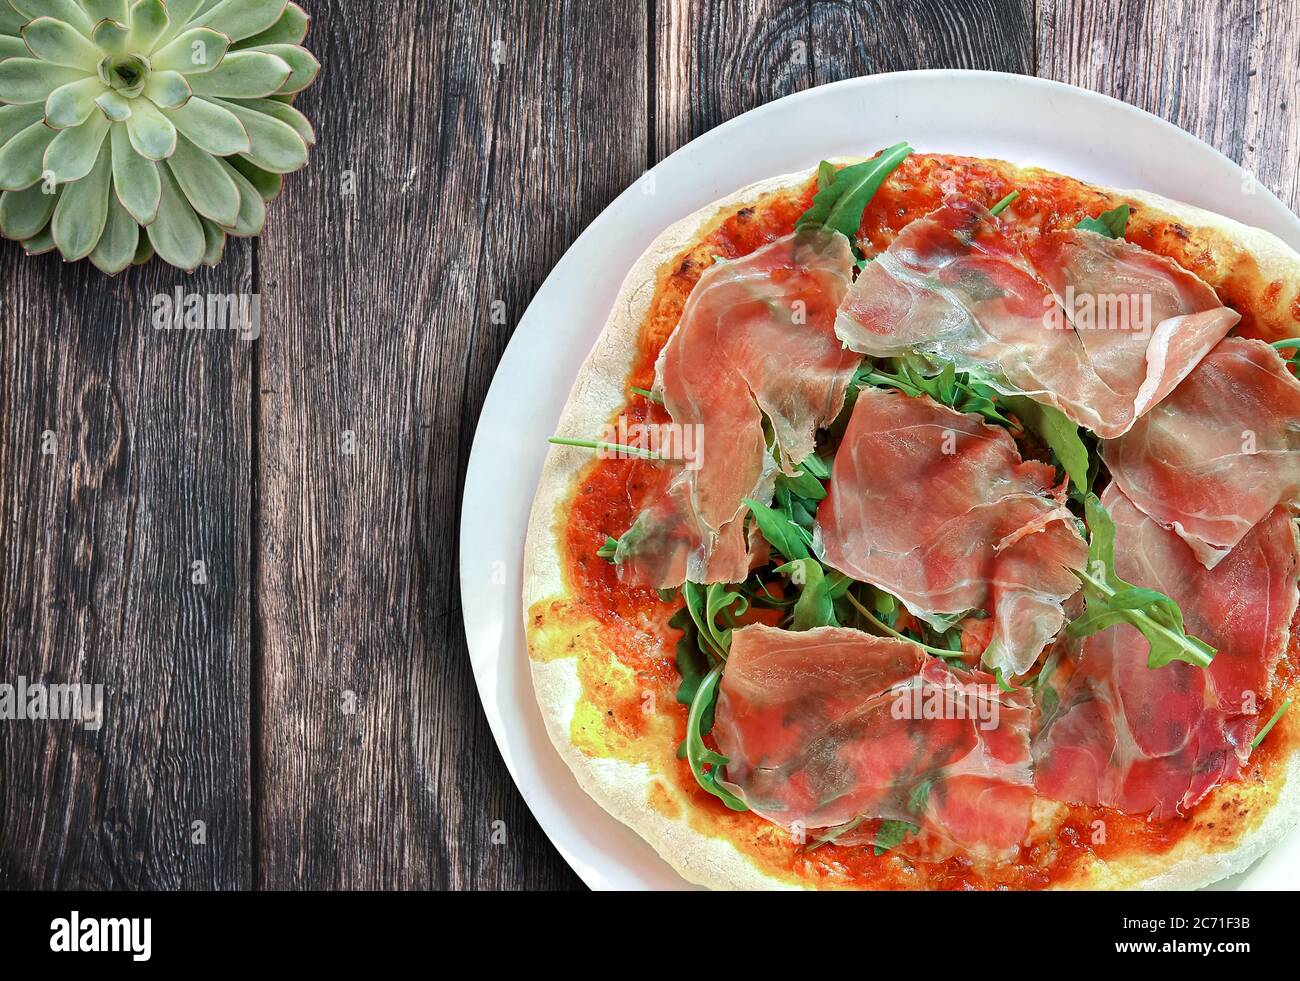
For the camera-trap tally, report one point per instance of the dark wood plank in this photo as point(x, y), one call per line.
point(714, 61)
point(1227, 72)
point(150, 472)
point(479, 154)
point(863, 38)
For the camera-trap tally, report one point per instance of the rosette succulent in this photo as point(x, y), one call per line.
point(130, 128)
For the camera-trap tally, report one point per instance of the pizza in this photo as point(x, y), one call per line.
point(928, 522)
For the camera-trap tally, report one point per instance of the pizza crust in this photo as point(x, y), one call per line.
point(626, 789)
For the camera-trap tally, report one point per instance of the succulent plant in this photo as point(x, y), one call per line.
point(129, 129)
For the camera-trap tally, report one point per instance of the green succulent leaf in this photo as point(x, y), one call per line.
point(182, 14)
point(73, 152)
point(82, 210)
point(291, 28)
point(117, 245)
point(286, 114)
point(64, 10)
point(24, 213)
point(112, 105)
point(244, 75)
point(59, 43)
point(167, 90)
point(71, 105)
point(214, 242)
point(252, 209)
point(111, 36)
point(192, 53)
point(276, 147)
point(101, 10)
point(204, 182)
point(144, 251)
point(268, 184)
point(40, 243)
point(211, 127)
point(149, 20)
point(176, 234)
point(152, 134)
point(27, 80)
point(302, 63)
point(135, 179)
point(11, 46)
point(238, 19)
point(15, 119)
point(21, 157)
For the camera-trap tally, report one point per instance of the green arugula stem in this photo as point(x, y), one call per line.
point(648, 394)
point(697, 754)
point(1005, 203)
point(1288, 342)
point(1254, 743)
point(1199, 657)
point(596, 444)
point(881, 625)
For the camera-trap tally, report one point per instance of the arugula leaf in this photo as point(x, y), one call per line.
point(1005, 203)
point(948, 387)
point(1111, 600)
point(1058, 432)
point(609, 549)
point(891, 834)
point(816, 466)
point(1110, 223)
point(705, 604)
point(839, 204)
point(1268, 727)
point(699, 755)
point(781, 532)
point(692, 665)
point(802, 483)
point(816, 605)
point(825, 174)
point(1291, 344)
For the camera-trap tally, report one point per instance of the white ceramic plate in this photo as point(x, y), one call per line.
point(1017, 118)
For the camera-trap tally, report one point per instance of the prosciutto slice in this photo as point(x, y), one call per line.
point(1154, 742)
point(1098, 328)
point(833, 726)
point(1218, 455)
point(755, 339)
point(937, 508)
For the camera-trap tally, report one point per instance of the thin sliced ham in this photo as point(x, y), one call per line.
point(1218, 455)
point(755, 339)
point(1154, 742)
point(937, 508)
point(832, 726)
point(1098, 328)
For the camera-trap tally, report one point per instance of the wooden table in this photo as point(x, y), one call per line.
point(311, 702)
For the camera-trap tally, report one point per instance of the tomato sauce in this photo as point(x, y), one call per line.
point(611, 493)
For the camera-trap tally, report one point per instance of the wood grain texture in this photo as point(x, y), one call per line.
point(1226, 72)
point(714, 61)
point(479, 159)
point(150, 472)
